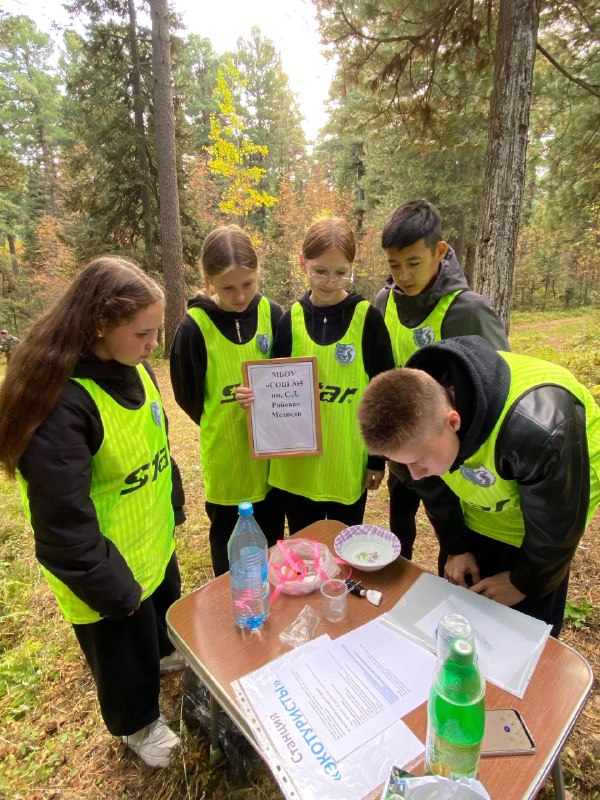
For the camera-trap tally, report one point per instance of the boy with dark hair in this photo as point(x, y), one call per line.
point(426, 298)
point(516, 443)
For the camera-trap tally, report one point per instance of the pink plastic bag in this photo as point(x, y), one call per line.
point(299, 566)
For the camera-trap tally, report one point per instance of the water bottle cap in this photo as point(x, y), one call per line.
point(245, 509)
point(463, 651)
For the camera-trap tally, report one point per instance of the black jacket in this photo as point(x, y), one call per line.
point(326, 325)
point(57, 465)
point(541, 445)
point(469, 313)
point(188, 351)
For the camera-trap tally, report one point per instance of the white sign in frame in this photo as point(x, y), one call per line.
point(285, 419)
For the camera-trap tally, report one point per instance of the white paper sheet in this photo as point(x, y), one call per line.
point(291, 733)
point(357, 685)
point(508, 643)
point(284, 408)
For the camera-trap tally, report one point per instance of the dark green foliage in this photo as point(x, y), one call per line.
point(272, 116)
point(103, 174)
point(558, 264)
point(411, 105)
point(412, 96)
point(31, 133)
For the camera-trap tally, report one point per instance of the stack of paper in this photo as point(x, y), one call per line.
point(508, 643)
point(328, 714)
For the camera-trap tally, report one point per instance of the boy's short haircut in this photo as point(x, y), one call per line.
point(399, 406)
point(411, 221)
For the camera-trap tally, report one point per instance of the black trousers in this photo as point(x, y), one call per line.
point(268, 513)
point(404, 503)
point(300, 511)
point(493, 557)
point(124, 656)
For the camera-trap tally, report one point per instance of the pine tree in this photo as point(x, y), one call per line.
point(30, 115)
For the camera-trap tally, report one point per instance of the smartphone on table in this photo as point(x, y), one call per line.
point(506, 734)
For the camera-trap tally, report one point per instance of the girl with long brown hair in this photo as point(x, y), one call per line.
point(83, 428)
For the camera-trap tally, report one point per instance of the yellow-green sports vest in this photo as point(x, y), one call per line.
point(406, 341)
point(491, 505)
point(338, 475)
point(131, 492)
point(230, 475)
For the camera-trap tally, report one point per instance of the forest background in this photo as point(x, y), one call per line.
point(411, 111)
point(409, 117)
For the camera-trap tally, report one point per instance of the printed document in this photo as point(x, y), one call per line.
point(329, 713)
point(357, 685)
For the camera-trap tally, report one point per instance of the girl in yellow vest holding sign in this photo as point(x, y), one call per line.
point(351, 344)
point(229, 324)
point(82, 426)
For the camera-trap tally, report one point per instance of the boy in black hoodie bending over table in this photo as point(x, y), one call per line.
point(515, 442)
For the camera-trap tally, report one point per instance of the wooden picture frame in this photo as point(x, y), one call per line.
point(285, 418)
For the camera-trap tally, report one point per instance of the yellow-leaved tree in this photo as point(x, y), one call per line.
point(232, 152)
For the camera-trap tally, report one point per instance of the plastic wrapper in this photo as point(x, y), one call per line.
point(299, 566)
point(401, 786)
point(303, 628)
point(196, 714)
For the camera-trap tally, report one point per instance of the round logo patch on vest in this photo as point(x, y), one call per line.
point(480, 476)
point(156, 415)
point(263, 341)
point(423, 336)
point(345, 353)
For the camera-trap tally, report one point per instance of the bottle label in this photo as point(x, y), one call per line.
point(450, 760)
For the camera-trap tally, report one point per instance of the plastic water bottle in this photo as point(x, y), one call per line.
point(248, 570)
point(456, 708)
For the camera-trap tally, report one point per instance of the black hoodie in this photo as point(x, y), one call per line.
point(57, 465)
point(541, 445)
point(328, 324)
point(188, 351)
point(469, 313)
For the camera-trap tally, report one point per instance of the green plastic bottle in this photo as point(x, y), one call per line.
point(455, 715)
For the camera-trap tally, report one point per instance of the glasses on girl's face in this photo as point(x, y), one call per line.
point(337, 280)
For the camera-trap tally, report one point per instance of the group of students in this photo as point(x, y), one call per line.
point(232, 323)
point(515, 440)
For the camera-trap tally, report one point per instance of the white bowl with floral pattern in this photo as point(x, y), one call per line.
point(367, 547)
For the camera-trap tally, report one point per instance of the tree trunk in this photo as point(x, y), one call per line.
point(468, 263)
point(168, 193)
point(360, 192)
point(498, 226)
point(140, 130)
point(459, 243)
point(49, 171)
point(13, 254)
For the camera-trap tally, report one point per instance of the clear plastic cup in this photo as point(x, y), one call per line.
point(450, 628)
point(334, 593)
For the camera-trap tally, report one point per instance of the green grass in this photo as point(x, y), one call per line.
point(535, 317)
point(572, 341)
